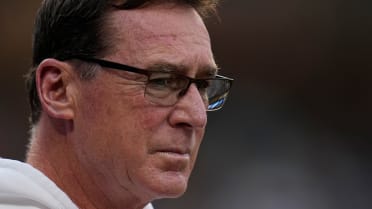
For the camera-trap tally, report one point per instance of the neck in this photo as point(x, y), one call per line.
point(52, 153)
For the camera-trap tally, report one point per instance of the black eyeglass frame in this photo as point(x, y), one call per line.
point(123, 67)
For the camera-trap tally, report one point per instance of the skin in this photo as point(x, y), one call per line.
point(101, 140)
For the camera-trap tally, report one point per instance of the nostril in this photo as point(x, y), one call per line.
point(184, 125)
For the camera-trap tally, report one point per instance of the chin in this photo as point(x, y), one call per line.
point(169, 185)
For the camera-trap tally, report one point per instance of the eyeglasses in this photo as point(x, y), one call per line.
point(166, 88)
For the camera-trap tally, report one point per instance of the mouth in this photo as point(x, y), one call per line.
point(172, 157)
point(174, 153)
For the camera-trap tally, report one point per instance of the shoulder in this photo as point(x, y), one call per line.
point(149, 206)
point(22, 186)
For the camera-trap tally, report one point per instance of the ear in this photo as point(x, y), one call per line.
point(54, 82)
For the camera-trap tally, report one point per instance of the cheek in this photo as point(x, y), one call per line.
point(151, 118)
point(133, 130)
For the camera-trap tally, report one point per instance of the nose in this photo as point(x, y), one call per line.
point(189, 110)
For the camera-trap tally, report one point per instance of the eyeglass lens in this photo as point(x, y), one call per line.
point(166, 89)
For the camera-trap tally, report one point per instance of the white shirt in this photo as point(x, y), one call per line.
point(24, 187)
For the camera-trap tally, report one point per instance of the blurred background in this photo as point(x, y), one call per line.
point(296, 131)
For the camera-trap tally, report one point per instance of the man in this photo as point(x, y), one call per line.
point(119, 93)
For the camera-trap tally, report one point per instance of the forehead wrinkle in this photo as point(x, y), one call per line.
point(145, 41)
point(182, 62)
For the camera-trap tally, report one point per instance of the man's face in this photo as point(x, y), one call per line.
point(127, 142)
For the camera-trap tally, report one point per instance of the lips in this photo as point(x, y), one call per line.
point(173, 153)
point(174, 150)
point(174, 156)
point(173, 159)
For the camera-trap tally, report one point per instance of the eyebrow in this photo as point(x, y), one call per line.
point(204, 71)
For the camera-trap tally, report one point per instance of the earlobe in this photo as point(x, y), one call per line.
point(53, 81)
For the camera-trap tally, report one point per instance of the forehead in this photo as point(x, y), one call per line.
point(160, 33)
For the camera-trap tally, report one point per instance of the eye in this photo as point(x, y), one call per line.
point(166, 81)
